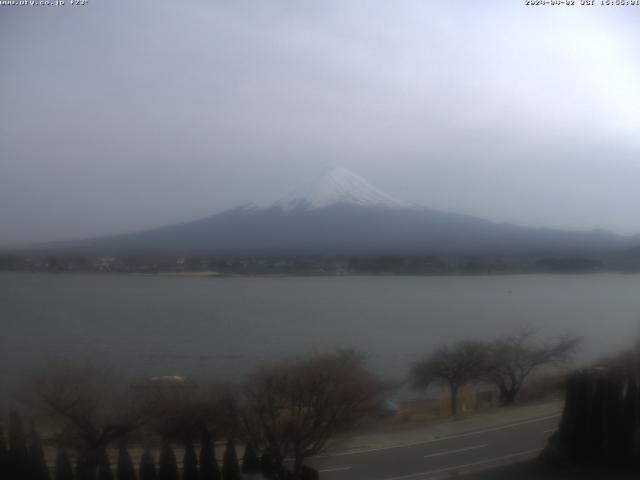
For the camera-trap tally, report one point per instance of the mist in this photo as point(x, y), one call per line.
point(119, 117)
point(337, 240)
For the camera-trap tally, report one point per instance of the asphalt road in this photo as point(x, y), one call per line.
point(448, 455)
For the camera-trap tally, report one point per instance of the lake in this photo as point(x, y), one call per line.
point(222, 327)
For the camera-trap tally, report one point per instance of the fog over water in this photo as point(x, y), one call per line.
point(220, 327)
point(236, 196)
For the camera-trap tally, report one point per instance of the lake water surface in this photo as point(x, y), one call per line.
point(224, 326)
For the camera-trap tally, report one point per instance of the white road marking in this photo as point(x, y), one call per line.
point(431, 473)
point(441, 439)
point(495, 429)
point(451, 452)
point(550, 430)
point(336, 469)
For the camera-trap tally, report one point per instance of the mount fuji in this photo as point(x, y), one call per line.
point(342, 213)
point(338, 186)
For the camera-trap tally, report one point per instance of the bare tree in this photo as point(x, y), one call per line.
point(89, 405)
point(185, 413)
point(453, 366)
point(513, 358)
point(626, 361)
point(292, 409)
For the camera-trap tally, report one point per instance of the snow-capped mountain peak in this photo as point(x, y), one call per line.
point(338, 185)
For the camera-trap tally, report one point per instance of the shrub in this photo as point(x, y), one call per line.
point(4, 452)
point(167, 465)
point(208, 464)
point(18, 458)
point(148, 466)
point(63, 469)
point(104, 467)
point(37, 463)
point(125, 465)
point(230, 469)
point(190, 462)
point(250, 461)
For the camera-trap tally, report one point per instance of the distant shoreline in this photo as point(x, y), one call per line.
point(214, 274)
point(181, 274)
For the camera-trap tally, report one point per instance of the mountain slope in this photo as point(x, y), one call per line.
point(337, 186)
point(342, 213)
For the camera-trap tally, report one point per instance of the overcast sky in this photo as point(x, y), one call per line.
point(122, 115)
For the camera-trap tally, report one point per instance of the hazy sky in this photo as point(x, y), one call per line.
point(121, 115)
